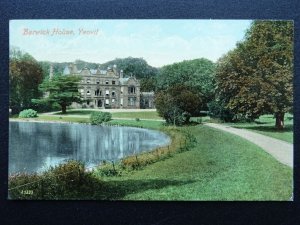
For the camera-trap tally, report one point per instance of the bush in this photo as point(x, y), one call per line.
point(218, 110)
point(65, 181)
point(137, 119)
point(28, 113)
point(100, 117)
point(109, 170)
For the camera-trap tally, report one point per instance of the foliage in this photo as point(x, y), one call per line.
point(148, 84)
point(137, 67)
point(256, 77)
point(28, 113)
point(217, 109)
point(181, 140)
point(177, 104)
point(25, 75)
point(98, 118)
point(62, 90)
point(65, 181)
point(197, 74)
point(109, 170)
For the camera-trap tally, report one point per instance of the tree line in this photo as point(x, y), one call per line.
point(254, 78)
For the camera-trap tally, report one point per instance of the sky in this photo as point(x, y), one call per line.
point(159, 42)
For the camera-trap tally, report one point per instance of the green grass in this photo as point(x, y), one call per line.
point(61, 119)
point(221, 167)
point(266, 125)
point(77, 112)
point(131, 115)
point(142, 123)
point(141, 115)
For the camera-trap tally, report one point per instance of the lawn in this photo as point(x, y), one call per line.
point(133, 123)
point(130, 115)
point(221, 167)
point(266, 125)
point(60, 119)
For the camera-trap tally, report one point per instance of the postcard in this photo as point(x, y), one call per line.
point(151, 109)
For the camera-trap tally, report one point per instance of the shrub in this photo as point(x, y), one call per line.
point(65, 181)
point(108, 170)
point(100, 117)
point(137, 119)
point(28, 113)
point(218, 110)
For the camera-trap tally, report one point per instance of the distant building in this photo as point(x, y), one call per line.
point(109, 89)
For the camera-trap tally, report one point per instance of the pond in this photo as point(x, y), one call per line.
point(35, 146)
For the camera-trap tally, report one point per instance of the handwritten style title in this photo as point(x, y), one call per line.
point(59, 31)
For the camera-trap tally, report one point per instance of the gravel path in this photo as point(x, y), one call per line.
point(280, 150)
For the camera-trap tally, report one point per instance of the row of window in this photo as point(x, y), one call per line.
point(98, 92)
point(131, 102)
point(88, 81)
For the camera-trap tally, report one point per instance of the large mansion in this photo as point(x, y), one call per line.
point(109, 89)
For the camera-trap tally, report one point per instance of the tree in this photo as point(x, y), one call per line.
point(177, 104)
point(62, 90)
point(197, 74)
point(256, 77)
point(25, 75)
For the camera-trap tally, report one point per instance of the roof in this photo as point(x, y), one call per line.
point(93, 71)
point(123, 80)
point(151, 93)
point(66, 71)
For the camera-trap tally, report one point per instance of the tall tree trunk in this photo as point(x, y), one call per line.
point(279, 120)
point(63, 109)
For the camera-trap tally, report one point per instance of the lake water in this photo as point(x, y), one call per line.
point(34, 147)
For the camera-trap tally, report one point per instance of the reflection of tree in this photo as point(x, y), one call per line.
point(33, 145)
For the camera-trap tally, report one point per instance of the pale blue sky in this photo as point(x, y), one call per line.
point(160, 42)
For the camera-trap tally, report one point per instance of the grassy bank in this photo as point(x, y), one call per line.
point(221, 167)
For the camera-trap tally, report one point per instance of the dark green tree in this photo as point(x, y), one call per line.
point(197, 74)
point(25, 75)
point(256, 77)
point(62, 90)
point(177, 104)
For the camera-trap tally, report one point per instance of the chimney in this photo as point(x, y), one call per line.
point(121, 73)
point(51, 72)
point(115, 69)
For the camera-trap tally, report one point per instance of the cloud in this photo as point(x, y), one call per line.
point(160, 42)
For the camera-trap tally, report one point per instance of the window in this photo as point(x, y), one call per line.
point(131, 90)
point(107, 92)
point(88, 80)
point(106, 82)
point(113, 82)
point(88, 93)
point(131, 101)
point(113, 100)
point(97, 92)
point(107, 101)
point(98, 82)
point(121, 101)
point(122, 89)
point(113, 93)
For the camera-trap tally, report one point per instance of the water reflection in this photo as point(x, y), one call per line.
point(34, 147)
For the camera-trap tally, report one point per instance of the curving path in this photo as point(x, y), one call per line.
point(280, 150)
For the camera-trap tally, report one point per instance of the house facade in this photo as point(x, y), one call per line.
point(109, 89)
